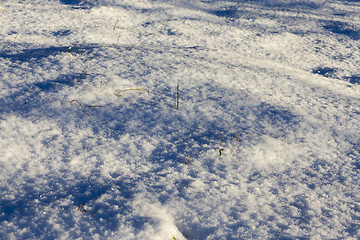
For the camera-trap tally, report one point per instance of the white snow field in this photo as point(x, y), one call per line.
point(102, 103)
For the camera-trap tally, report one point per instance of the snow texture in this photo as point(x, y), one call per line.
point(263, 144)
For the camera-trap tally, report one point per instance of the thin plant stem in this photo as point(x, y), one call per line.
point(187, 159)
point(89, 106)
point(132, 89)
point(235, 144)
point(81, 75)
point(115, 24)
point(80, 105)
point(70, 47)
point(128, 49)
point(101, 84)
point(343, 185)
point(48, 51)
point(117, 40)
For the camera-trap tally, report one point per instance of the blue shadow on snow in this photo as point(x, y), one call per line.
point(342, 28)
point(99, 216)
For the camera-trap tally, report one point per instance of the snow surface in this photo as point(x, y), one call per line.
point(273, 83)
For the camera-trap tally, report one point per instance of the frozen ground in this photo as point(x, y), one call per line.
point(272, 83)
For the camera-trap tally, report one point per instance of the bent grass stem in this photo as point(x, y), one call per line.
point(235, 144)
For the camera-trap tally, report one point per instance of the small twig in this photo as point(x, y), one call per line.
point(16, 36)
point(82, 207)
point(130, 47)
point(80, 105)
point(187, 159)
point(343, 185)
point(235, 144)
point(131, 89)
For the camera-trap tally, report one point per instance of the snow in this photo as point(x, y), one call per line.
point(93, 146)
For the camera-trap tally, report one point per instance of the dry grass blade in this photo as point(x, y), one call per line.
point(235, 144)
point(101, 84)
point(187, 159)
point(132, 89)
point(80, 105)
point(129, 48)
point(343, 185)
point(115, 24)
point(117, 40)
point(68, 51)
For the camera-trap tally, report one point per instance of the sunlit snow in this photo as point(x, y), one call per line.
point(179, 119)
